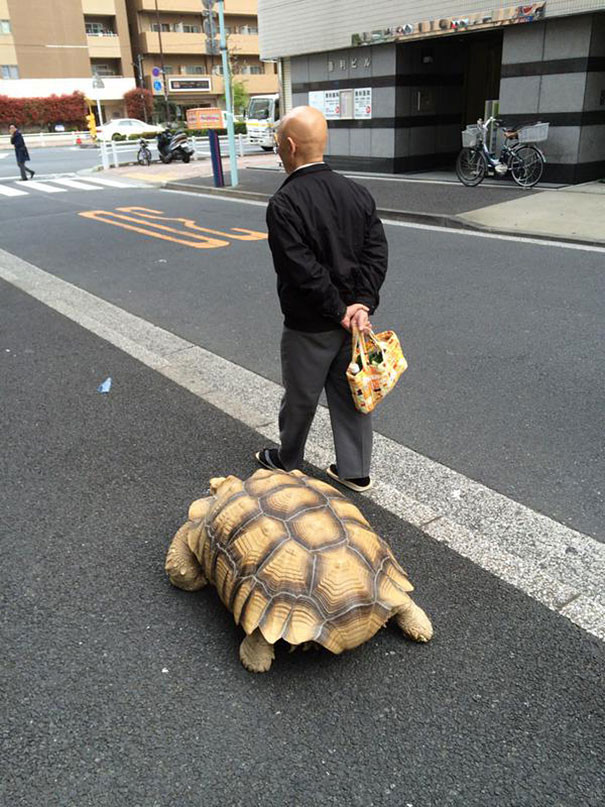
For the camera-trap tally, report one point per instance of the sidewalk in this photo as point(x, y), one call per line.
point(570, 213)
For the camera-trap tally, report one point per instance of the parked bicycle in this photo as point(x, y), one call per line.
point(518, 154)
point(144, 153)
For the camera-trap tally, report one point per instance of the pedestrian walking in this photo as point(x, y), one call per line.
point(330, 254)
point(21, 152)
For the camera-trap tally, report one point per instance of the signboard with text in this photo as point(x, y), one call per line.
point(363, 102)
point(345, 104)
point(190, 84)
point(405, 30)
point(205, 118)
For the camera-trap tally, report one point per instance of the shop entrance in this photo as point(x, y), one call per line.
point(482, 74)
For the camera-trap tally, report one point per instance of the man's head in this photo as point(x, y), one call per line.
point(301, 137)
point(12, 128)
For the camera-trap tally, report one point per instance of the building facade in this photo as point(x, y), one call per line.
point(398, 79)
point(172, 36)
point(58, 47)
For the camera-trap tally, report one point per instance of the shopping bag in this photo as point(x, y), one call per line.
point(377, 361)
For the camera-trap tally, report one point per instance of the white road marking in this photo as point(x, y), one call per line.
point(518, 239)
point(44, 187)
point(76, 184)
point(557, 566)
point(7, 190)
point(3, 155)
point(111, 183)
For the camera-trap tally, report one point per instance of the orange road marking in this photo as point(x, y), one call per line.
point(109, 217)
point(145, 212)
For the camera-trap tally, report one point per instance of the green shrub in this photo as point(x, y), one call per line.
point(146, 135)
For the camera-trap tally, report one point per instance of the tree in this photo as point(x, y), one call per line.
point(239, 95)
point(139, 103)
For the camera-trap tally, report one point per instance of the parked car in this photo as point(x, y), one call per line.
point(125, 126)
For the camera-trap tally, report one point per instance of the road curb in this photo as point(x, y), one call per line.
point(448, 221)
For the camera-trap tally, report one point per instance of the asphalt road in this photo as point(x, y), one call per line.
point(504, 384)
point(122, 690)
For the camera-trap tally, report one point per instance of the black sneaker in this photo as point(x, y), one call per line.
point(33, 174)
point(361, 484)
point(269, 458)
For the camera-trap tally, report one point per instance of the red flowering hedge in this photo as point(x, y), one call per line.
point(137, 102)
point(70, 110)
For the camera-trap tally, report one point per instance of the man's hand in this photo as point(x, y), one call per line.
point(361, 321)
point(351, 312)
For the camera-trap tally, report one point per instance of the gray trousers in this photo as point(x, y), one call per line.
point(23, 168)
point(310, 363)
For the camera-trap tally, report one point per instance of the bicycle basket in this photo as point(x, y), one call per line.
point(533, 134)
point(470, 136)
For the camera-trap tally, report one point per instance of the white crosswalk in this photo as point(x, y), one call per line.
point(60, 185)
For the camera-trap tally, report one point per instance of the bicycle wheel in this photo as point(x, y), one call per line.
point(527, 166)
point(471, 166)
point(144, 156)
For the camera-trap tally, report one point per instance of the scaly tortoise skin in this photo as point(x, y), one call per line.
point(293, 559)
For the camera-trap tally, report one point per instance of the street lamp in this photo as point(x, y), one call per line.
point(99, 84)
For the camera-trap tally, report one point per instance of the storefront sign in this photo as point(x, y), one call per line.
point(343, 104)
point(332, 104)
point(189, 85)
point(363, 102)
point(205, 118)
point(512, 15)
point(316, 99)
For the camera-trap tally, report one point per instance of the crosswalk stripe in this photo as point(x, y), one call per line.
point(74, 183)
point(6, 190)
point(42, 186)
point(111, 183)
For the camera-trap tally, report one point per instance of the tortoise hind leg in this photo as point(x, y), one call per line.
point(255, 652)
point(182, 567)
point(413, 621)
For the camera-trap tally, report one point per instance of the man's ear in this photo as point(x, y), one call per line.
point(292, 146)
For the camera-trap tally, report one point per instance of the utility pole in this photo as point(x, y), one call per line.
point(138, 66)
point(228, 98)
point(157, 16)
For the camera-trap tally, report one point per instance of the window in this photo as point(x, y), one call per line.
point(5, 26)
point(256, 70)
point(10, 71)
point(163, 27)
point(217, 70)
point(248, 30)
point(94, 28)
point(103, 70)
point(191, 29)
point(195, 69)
point(168, 68)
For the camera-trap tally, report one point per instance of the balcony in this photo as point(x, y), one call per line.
point(243, 44)
point(103, 46)
point(184, 6)
point(99, 7)
point(194, 44)
point(243, 7)
point(265, 84)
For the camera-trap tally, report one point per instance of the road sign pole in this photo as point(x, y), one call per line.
point(228, 99)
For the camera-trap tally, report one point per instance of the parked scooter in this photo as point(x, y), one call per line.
point(174, 146)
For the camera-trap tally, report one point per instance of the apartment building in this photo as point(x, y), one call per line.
point(172, 32)
point(58, 47)
point(399, 79)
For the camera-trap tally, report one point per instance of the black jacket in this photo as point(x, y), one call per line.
point(21, 152)
point(329, 247)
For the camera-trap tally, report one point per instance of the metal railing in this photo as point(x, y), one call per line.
point(41, 139)
point(116, 153)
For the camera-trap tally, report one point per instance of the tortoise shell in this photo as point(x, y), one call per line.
point(292, 556)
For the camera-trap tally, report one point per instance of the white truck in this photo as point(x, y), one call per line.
point(262, 120)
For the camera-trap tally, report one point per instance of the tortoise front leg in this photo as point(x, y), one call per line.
point(255, 652)
point(182, 566)
point(413, 621)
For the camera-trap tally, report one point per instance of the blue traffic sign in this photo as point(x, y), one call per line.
point(157, 86)
point(156, 71)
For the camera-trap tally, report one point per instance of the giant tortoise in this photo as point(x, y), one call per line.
point(293, 559)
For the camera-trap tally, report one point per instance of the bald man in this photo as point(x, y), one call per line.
point(330, 255)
